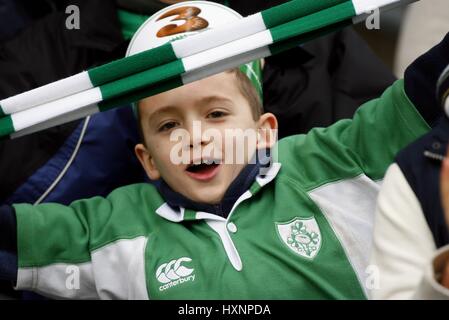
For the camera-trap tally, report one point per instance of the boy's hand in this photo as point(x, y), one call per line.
point(444, 186)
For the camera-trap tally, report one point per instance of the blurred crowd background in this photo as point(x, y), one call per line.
point(407, 32)
point(404, 33)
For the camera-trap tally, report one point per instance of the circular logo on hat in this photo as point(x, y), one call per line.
point(192, 21)
point(179, 21)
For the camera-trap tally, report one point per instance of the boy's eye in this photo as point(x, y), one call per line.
point(167, 126)
point(216, 114)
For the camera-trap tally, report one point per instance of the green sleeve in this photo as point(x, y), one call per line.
point(53, 233)
point(63, 250)
point(366, 144)
point(380, 129)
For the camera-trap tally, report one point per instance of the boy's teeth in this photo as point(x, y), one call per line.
point(208, 162)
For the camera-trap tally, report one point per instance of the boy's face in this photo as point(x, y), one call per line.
point(197, 121)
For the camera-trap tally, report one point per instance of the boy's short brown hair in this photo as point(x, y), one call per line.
point(246, 88)
point(250, 93)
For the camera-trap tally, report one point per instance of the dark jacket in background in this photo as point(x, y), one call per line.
point(46, 52)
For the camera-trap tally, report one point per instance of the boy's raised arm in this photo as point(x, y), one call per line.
point(81, 251)
point(366, 145)
point(406, 111)
point(47, 248)
point(53, 249)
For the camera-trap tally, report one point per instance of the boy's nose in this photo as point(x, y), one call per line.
point(197, 137)
point(198, 142)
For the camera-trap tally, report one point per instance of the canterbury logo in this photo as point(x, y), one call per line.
point(174, 270)
point(192, 21)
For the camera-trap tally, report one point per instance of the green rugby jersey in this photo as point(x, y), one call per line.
point(302, 231)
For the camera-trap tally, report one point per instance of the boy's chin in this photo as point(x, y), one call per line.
point(207, 196)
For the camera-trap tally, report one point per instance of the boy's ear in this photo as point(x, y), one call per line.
point(267, 132)
point(147, 161)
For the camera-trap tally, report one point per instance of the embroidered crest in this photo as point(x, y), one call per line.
point(301, 235)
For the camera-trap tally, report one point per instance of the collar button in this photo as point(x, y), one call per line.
point(232, 227)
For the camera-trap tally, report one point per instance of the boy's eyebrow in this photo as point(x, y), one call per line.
point(212, 99)
point(161, 111)
point(202, 102)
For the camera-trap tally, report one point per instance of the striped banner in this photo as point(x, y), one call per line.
point(164, 54)
point(170, 71)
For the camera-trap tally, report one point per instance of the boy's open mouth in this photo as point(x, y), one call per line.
point(204, 171)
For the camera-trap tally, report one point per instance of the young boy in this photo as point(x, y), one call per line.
point(216, 229)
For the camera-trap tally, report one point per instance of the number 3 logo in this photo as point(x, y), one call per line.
point(192, 21)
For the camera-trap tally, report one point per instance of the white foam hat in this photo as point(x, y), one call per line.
point(186, 19)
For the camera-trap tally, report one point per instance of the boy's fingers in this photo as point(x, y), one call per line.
point(445, 278)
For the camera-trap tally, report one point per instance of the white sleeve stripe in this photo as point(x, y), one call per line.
point(60, 280)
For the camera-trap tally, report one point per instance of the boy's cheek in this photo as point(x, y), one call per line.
point(161, 150)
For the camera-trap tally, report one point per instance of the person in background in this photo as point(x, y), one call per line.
point(411, 235)
point(444, 187)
